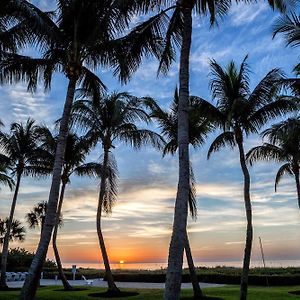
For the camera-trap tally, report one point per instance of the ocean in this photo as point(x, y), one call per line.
point(161, 265)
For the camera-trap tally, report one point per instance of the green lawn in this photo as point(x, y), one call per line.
point(227, 293)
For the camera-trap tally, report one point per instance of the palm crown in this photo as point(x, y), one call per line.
point(241, 111)
point(77, 148)
point(199, 126)
point(20, 148)
point(283, 146)
point(17, 231)
point(36, 217)
point(86, 35)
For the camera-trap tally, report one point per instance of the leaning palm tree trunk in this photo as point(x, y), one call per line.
point(196, 286)
point(3, 284)
point(174, 272)
point(108, 274)
point(249, 234)
point(296, 174)
point(30, 285)
point(61, 273)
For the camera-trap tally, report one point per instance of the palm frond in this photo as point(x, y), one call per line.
point(285, 169)
point(224, 139)
point(289, 26)
point(277, 108)
point(266, 152)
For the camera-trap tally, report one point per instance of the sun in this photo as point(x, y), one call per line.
point(121, 262)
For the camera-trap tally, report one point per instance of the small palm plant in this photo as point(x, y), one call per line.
point(17, 231)
point(283, 146)
point(22, 153)
point(77, 150)
point(240, 112)
point(199, 128)
point(108, 121)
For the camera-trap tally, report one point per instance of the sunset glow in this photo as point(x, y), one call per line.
point(139, 228)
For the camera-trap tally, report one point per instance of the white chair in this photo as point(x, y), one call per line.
point(9, 276)
point(15, 276)
point(86, 281)
point(22, 276)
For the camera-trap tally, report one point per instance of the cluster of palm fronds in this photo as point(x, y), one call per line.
point(81, 37)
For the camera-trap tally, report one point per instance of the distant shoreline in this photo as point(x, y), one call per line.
point(222, 275)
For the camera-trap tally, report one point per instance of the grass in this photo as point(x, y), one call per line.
point(226, 293)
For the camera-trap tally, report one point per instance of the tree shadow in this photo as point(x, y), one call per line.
point(71, 290)
point(295, 293)
point(110, 294)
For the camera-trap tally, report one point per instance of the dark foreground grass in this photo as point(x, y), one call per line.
point(226, 293)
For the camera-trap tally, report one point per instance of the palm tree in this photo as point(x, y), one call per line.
point(241, 112)
point(20, 149)
point(110, 120)
point(85, 36)
point(199, 128)
point(74, 164)
point(17, 231)
point(177, 31)
point(283, 146)
point(36, 217)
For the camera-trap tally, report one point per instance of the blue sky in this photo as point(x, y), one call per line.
point(142, 217)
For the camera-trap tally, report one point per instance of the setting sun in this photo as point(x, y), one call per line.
point(122, 261)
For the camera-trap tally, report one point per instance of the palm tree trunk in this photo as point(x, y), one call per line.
point(296, 174)
point(61, 273)
point(175, 259)
point(196, 286)
point(248, 208)
point(31, 282)
point(108, 274)
point(3, 284)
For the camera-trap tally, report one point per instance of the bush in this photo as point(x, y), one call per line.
point(19, 260)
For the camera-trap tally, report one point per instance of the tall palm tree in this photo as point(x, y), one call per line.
point(199, 128)
point(77, 149)
point(108, 121)
point(283, 146)
point(85, 35)
point(25, 158)
point(17, 231)
point(177, 30)
point(36, 217)
point(241, 112)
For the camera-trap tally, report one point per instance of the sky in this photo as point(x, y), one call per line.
point(139, 228)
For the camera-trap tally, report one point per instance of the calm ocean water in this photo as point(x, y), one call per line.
point(156, 266)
